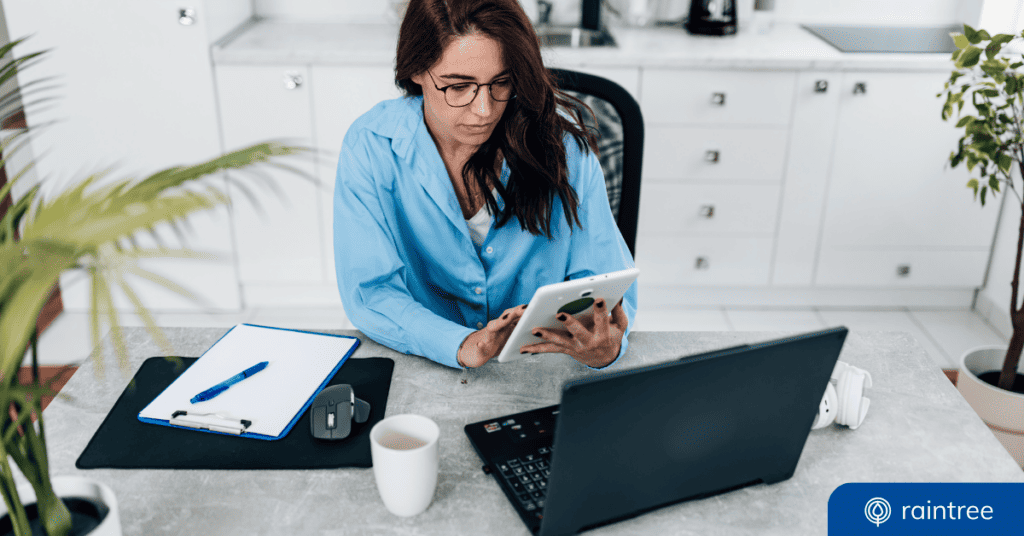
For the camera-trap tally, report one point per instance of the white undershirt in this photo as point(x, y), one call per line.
point(480, 223)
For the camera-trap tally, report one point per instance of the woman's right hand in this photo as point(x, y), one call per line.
point(484, 344)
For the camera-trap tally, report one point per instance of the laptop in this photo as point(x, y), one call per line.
point(627, 442)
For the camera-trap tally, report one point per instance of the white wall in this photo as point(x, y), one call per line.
point(994, 301)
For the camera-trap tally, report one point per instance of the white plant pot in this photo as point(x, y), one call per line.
point(76, 486)
point(1002, 411)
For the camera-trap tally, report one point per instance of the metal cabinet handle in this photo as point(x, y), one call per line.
point(707, 211)
point(187, 17)
point(860, 88)
point(903, 270)
point(712, 156)
point(701, 263)
point(820, 86)
point(718, 99)
point(293, 80)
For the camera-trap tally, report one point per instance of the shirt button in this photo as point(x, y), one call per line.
point(479, 325)
point(479, 290)
point(490, 249)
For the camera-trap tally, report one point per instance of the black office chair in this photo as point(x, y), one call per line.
point(620, 127)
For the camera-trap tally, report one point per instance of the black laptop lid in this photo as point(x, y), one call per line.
point(629, 442)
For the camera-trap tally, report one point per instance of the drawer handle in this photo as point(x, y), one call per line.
point(293, 81)
point(903, 270)
point(718, 99)
point(186, 17)
point(701, 263)
point(712, 156)
point(820, 86)
point(860, 88)
point(707, 211)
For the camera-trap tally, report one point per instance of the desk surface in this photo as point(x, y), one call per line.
point(919, 430)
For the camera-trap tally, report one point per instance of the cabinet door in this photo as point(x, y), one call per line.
point(340, 96)
point(806, 177)
point(134, 92)
point(891, 185)
point(277, 237)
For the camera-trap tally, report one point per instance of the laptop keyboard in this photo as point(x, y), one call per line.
point(527, 476)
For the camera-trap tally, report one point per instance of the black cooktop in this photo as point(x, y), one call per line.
point(912, 39)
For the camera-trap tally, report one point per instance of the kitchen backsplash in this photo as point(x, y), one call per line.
point(886, 12)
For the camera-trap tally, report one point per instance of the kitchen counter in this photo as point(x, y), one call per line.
point(919, 429)
point(785, 47)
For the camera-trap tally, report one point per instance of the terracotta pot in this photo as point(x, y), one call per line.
point(84, 488)
point(1002, 411)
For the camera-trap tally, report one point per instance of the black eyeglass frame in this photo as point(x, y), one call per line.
point(475, 91)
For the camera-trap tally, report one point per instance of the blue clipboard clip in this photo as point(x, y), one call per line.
point(213, 422)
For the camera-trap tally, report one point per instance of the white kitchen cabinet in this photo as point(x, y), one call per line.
point(714, 154)
point(714, 157)
point(708, 261)
point(277, 238)
point(340, 95)
point(890, 187)
point(134, 91)
point(710, 209)
point(806, 177)
point(715, 98)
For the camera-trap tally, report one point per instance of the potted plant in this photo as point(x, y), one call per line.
point(992, 147)
point(90, 227)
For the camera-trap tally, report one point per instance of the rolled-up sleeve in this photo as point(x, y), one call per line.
point(371, 275)
point(598, 247)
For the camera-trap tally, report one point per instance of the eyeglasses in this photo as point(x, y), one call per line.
point(463, 93)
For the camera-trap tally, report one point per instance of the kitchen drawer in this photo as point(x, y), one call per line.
point(692, 153)
point(708, 210)
point(699, 97)
point(874, 268)
point(668, 260)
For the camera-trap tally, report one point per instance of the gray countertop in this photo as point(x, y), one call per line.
point(786, 46)
point(919, 429)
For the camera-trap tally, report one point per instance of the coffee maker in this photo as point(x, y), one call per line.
point(712, 17)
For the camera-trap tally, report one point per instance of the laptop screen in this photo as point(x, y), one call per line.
point(631, 441)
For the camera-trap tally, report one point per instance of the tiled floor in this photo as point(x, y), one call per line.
point(944, 333)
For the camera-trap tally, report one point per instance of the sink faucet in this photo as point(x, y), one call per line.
point(544, 12)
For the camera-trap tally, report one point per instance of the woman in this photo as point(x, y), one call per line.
point(456, 202)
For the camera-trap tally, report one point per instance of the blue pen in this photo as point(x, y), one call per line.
point(223, 386)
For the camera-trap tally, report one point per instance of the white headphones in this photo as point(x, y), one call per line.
point(844, 403)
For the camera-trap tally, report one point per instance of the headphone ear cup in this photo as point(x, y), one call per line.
point(826, 408)
point(853, 406)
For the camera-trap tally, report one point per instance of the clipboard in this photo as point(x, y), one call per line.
point(264, 406)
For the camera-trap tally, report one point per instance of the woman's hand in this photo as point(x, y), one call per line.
point(482, 345)
point(595, 341)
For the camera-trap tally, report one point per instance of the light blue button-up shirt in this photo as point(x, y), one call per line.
point(410, 277)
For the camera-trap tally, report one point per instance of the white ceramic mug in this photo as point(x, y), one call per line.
point(405, 461)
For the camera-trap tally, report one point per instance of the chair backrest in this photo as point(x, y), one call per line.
point(620, 127)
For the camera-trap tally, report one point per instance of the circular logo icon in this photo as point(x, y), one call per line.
point(877, 510)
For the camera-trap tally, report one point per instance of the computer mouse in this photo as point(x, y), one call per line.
point(333, 410)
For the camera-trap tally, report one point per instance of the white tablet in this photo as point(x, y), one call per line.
point(574, 297)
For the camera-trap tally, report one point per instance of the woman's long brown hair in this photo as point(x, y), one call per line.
point(530, 132)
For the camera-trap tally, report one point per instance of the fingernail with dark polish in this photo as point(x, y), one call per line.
point(600, 303)
point(535, 353)
point(505, 316)
point(536, 334)
point(522, 351)
point(561, 317)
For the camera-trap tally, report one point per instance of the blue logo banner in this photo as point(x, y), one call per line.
point(933, 509)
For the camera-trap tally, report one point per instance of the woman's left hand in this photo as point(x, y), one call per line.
point(595, 341)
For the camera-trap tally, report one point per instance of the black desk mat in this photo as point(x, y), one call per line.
point(125, 442)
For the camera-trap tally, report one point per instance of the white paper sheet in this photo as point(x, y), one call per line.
point(299, 363)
